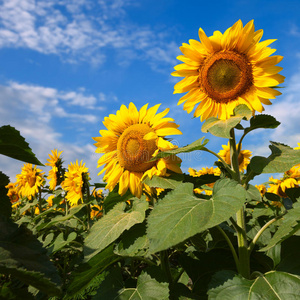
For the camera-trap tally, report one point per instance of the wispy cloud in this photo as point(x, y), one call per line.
point(80, 30)
point(39, 113)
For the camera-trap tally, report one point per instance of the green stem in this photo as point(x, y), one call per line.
point(40, 200)
point(260, 232)
point(236, 259)
point(165, 266)
point(244, 261)
point(220, 158)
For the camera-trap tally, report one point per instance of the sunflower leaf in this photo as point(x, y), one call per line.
point(4, 199)
point(12, 144)
point(86, 272)
point(228, 286)
point(289, 225)
point(262, 121)
point(180, 215)
point(197, 145)
point(112, 225)
point(147, 289)
point(22, 256)
point(282, 159)
point(221, 128)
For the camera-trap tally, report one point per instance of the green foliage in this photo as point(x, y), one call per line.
point(272, 286)
point(290, 224)
point(197, 145)
point(4, 200)
point(147, 289)
point(282, 159)
point(181, 215)
point(110, 227)
point(262, 121)
point(222, 128)
point(87, 271)
point(23, 257)
point(12, 144)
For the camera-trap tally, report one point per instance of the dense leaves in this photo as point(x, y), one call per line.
point(181, 215)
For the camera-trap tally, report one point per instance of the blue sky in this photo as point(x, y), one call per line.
point(66, 64)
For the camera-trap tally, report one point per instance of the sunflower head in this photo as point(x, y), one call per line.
point(225, 70)
point(243, 158)
point(132, 138)
point(56, 174)
point(29, 181)
point(74, 181)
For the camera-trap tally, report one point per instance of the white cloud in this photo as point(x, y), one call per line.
point(79, 30)
point(34, 110)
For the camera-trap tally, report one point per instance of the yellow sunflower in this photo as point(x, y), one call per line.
point(243, 158)
point(74, 181)
point(132, 138)
point(29, 181)
point(204, 171)
point(225, 70)
point(291, 179)
point(13, 194)
point(54, 174)
point(297, 148)
point(262, 189)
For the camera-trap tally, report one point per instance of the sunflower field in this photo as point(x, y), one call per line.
point(147, 230)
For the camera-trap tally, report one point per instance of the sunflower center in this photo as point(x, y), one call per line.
point(226, 76)
point(31, 181)
point(133, 151)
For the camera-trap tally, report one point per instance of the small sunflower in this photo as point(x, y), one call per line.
point(13, 194)
point(29, 181)
point(225, 70)
point(262, 189)
point(205, 171)
point(55, 174)
point(74, 182)
point(132, 138)
point(243, 158)
point(297, 148)
point(96, 211)
point(290, 179)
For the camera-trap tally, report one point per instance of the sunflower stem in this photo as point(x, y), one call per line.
point(236, 259)
point(221, 160)
point(165, 266)
point(244, 263)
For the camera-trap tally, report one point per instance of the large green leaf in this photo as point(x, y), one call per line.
point(290, 224)
point(147, 289)
point(5, 203)
point(12, 144)
point(164, 182)
point(270, 286)
point(197, 145)
point(262, 121)
point(113, 198)
point(112, 225)
point(282, 159)
point(221, 128)
point(86, 272)
point(180, 215)
point(134, 242)
point(22, 256)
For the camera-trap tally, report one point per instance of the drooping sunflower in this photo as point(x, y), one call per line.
point(262, 189)
point(55, 174)
point(29, 181)
point(243, 158)
point(74, 182)
point(132, 138)
point(225, 70)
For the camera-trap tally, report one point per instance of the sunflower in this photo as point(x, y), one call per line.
point(225, 70)
point(243, 158)
point(13, 194)
point(205, 171)
point(262, 189)
point(74, 182)
point(132, 138)
point(29, 181)
point(55, 174)
point(290, 179)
